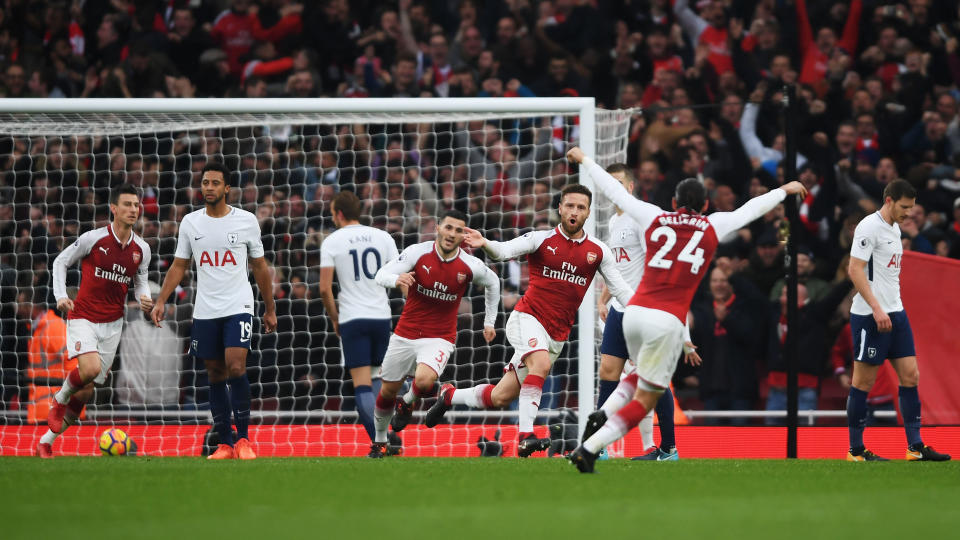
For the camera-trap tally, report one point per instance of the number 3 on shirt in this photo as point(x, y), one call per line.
point(689, 254)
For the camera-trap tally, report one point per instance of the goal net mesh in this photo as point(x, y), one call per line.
point(505, 171)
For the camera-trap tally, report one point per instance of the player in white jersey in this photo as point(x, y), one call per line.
point(112, 258)
point(879, 324)
point(224, 242)
point(355, 253)
point(626, 242)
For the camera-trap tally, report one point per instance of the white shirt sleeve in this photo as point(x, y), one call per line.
point(748, 131)
point(692, 23)
point(611, 276)
point(184, 248)
point(388, 274)
point(488, 279)
point(254, 241)
point(141, 285)
point(69, 257)
point(863, 242)
point(327, 252)
point(511, 249)
point(725, 223)
point(641, 212)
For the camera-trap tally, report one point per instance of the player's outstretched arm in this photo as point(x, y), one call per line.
point(173, 278)
point(726, 222)
point(141, 288)
point(502, 251)
point(642, 212)
point(261, 273)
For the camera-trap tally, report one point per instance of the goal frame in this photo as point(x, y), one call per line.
point(582, 107)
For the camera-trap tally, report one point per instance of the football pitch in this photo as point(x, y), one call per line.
point(483, 498)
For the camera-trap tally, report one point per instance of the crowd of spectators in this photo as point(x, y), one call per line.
point(878, 87)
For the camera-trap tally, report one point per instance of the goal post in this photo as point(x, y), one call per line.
point(61, 156)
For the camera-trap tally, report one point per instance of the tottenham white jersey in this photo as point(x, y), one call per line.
point(357, 252)
point(221, 247)
point(878, 243)
point(626, 242)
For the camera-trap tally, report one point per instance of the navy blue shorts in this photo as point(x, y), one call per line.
point(873, 347)
point(364, 341)
point(613, 342)
point(209, 337)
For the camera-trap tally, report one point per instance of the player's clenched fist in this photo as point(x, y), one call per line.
point(406, 280)
point(575, 155)
point(794, 188)
point(269, 321)
point(146, 303)
point(489, 333)
point(65, 305)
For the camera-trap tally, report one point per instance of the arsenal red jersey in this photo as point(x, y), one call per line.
point(434, 300)
point(108, 268)
point(561, 269)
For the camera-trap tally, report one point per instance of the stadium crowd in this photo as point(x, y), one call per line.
point(879, 96)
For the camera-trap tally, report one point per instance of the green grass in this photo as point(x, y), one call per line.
point(490, 499)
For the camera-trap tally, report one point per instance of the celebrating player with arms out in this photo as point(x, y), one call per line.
point(113, 258)
point(563, 262)
point(222, 239)
point(626, 242)
point(680, 246)
point(880, 326)
point(436, 276)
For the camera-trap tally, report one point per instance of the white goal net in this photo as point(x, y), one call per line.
point(499, 161)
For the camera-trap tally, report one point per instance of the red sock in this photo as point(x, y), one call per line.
point(385, 404)
point(75, 406)
point(487, 396)
point(533, 380)
point(632, 379)
point(74, 379)
point(422, 394)
point(631, 414)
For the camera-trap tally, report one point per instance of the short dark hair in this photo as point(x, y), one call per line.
point(122, 189)
point(691, 194)
point(220, 168)
point(622, 168)
point(577, 188)
point(348, 204)
point(455, 214)
point(898, 189)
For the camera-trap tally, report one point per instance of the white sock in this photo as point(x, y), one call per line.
point(48, 437)
point(620, 397)
point(381, 423)
point(409, 397)
point(471, 397)
point(529, 405)
point(63, 395)
point(646, 430)
point(612, 430)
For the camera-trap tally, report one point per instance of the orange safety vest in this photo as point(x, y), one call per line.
point(47, 359)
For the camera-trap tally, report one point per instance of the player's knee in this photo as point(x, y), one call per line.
point(424, 383)
point(538, 365)
point(910, 377)
point(235, 371)
point(609, 371)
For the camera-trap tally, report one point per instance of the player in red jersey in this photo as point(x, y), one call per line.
point(679, 246)
point(436, 275)
point(562, 262)
point(113, 258)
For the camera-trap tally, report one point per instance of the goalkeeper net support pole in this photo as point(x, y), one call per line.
point(501, 160)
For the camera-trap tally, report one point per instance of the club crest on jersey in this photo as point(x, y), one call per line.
point(233, 238)
point(591, 257)
point(461, 277)
point(136, 257)
point(532, 342)
point(77, 346)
